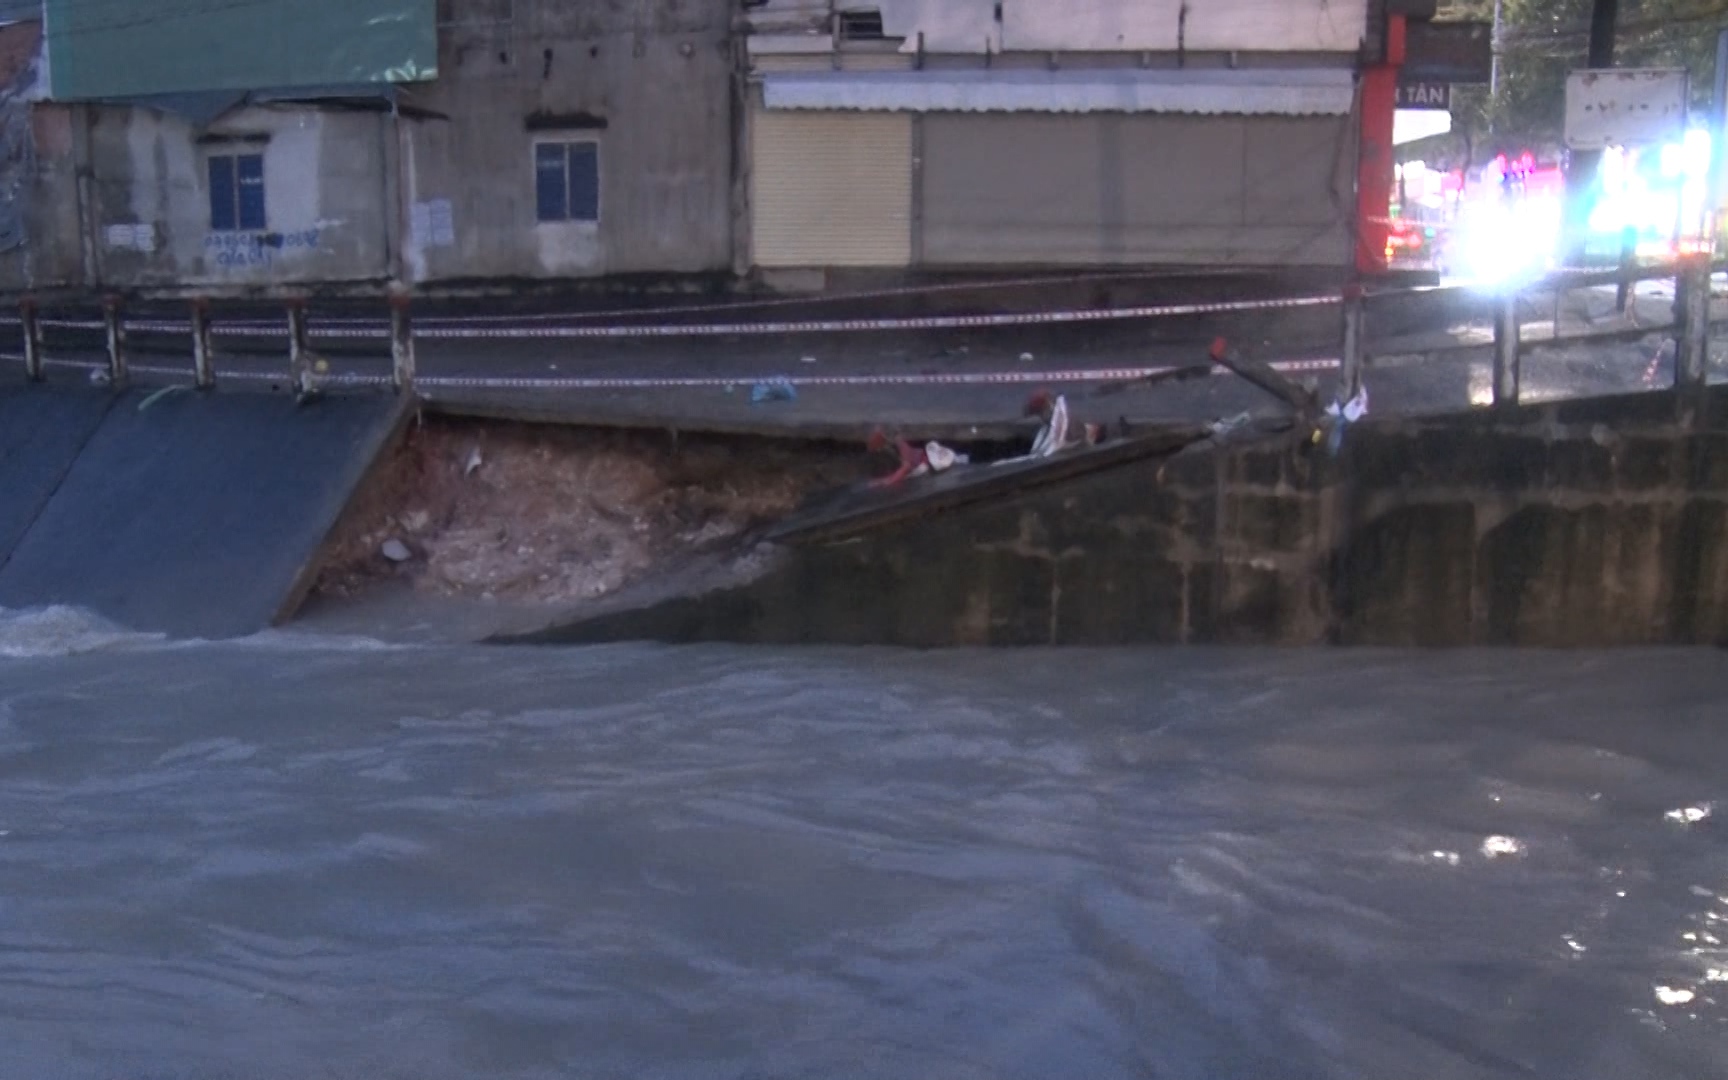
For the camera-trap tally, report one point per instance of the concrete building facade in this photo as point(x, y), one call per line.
point(555, 142)
point(710, 140)
point(573, 140)
point(945, 135)
point(262, 195)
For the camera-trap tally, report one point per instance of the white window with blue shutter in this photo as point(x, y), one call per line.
point(567, 181)
point(237, 193)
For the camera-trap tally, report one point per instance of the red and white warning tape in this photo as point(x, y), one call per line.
point(578, 383)
point(674, 330)
point(741, 304)
point(962, 378)
point(806, 300)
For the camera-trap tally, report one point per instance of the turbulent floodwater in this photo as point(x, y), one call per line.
point(300, 858)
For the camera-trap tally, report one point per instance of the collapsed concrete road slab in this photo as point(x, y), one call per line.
point(198, 515)
point(1568, 524)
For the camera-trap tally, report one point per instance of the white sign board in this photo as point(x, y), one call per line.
point(1624, 107)
point(977, 26)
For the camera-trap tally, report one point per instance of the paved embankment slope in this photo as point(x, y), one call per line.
point(194, 514)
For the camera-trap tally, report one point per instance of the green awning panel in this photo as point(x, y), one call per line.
point(135, 48)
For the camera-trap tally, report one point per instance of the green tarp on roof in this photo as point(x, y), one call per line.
point(132, 48)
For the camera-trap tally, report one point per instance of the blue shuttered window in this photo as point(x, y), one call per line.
point(237, 192)
point(551, 189)
point(224, 216)
point(584, 182)
point(567, 181)
point(251, 170)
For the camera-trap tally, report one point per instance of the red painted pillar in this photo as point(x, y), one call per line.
point(1376, 168)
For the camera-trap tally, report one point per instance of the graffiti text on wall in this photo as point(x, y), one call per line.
point(236, 250)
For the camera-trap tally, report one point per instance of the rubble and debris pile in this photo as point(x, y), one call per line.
point(548, 515)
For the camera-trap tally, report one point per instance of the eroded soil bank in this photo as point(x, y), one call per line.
point(560, 517)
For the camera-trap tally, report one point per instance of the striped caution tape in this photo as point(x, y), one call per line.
point(741, 304)
point(806, 300)
point(970, 378)
point(578, 383)
point(830, 326)
point(672, 330)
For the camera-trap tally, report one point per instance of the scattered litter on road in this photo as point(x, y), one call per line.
point(396, 551)
point(1229, 424)
point(1342, 415)
point(1053, 436)
point(1351, 411)
point(773, 390)
point(941, 458)
point(932, 457)
point(1026, 358)
point(473, 462)
point(807, 360)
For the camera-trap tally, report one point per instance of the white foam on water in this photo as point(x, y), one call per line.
point(1496, 846)
point(306, 641)
point(41, 633)
point(61, 630)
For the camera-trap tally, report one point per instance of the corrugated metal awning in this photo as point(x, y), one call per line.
point(1288, 92)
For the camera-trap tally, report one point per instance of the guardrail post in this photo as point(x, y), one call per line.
point(401, 344)
point(203, 363)
point(299, 355)
point(1692, 348)
point(1628, 255)
point(1506, 349)
point(32, 340)
point(1351, 372)
point(114, 321)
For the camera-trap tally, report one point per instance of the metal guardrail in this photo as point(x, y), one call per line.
point(1691, 330)
point(1690, 327)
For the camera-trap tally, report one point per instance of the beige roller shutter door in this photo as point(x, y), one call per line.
point(830, 188)
point(1035, 189)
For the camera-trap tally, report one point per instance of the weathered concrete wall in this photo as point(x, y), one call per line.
point(52, 252)
point(446, 193)
point(327, 213)
point(39, 234)
point(651, 83)
point(1590, 523)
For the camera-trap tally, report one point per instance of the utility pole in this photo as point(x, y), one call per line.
point(1585, 164)
point(1602, 19)
point(1494, 46)
point(1718, 151)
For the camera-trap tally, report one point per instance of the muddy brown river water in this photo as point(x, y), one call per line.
point(307, 857)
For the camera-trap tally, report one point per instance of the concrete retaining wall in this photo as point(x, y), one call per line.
point(1589, 523)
